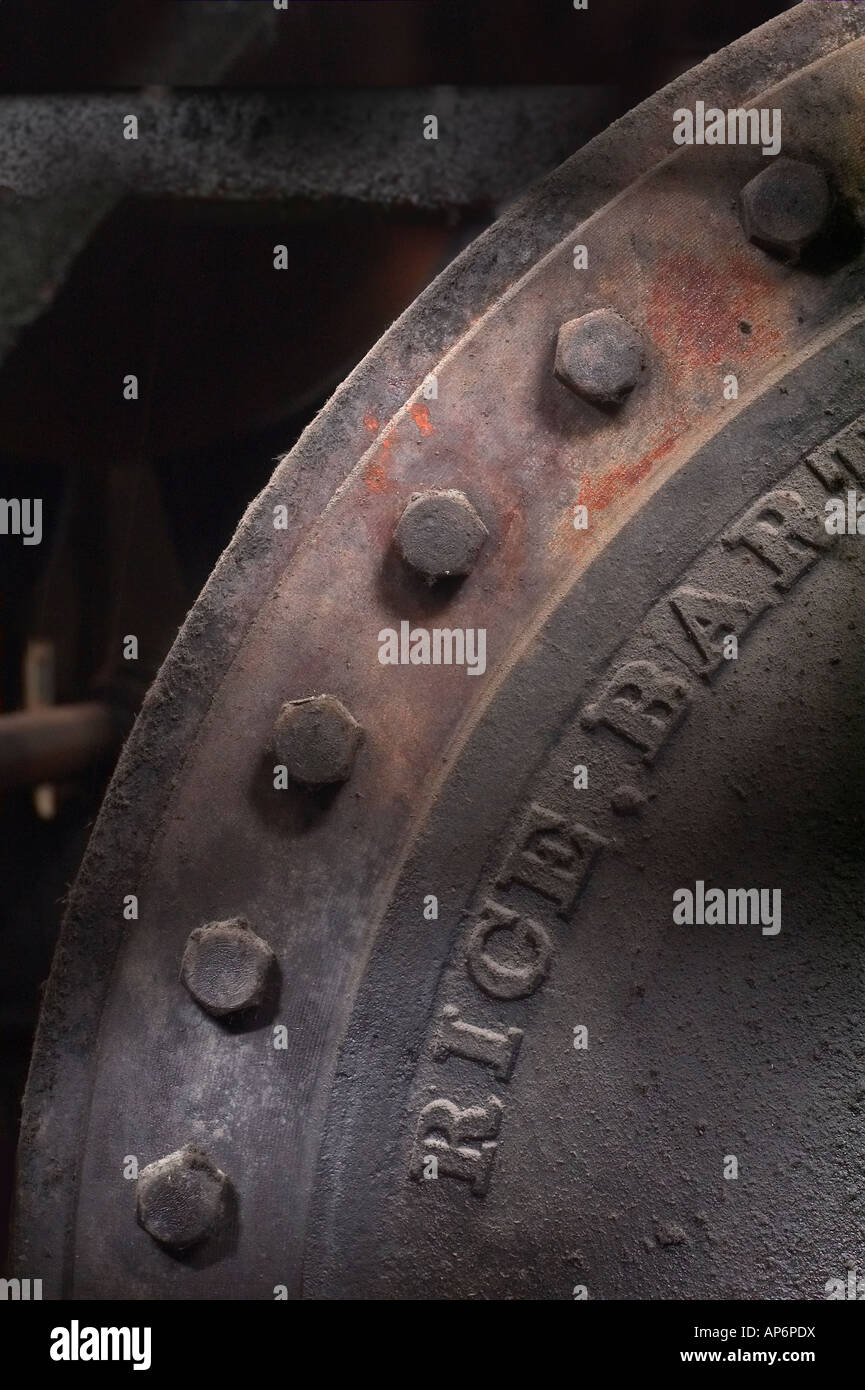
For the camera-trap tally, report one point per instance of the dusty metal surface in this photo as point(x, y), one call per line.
point(555, 1170)
point(370, 146)
point(65, 161)
point(43, 227)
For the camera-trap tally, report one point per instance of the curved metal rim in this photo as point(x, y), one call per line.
point(57, 1097)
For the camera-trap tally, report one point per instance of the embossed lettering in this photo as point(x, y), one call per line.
point(459, 1140)
point(642, 703)
point(705, 621)
point(840, 457)
point(453, 1037)
point(509, 956)
point(770, 528)
point(552, 856)
point(528, 948)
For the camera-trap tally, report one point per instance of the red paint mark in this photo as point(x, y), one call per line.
point(371, 422)
point(420, 414)
point(696, 310)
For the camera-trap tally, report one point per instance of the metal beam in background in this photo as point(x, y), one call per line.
point(42, 233)
point(364, 145)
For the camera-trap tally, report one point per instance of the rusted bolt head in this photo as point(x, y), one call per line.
point(180, 1197)
point(317, 740)
point(785, 207)
point(440, 534)
point(225, 966)
point(600, 357)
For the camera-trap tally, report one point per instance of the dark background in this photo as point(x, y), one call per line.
point(79, 45)
point(233, 359)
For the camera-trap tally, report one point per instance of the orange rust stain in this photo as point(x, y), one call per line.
point(597, 493)
point(512, 515)
point(696, 309)
point(371, 422)
point(420, 414)
point(375, 476)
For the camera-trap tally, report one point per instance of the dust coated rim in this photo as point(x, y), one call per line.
point(59, 1234)
point(603, 1170)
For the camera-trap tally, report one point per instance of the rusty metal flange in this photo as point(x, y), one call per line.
point(399, 1036)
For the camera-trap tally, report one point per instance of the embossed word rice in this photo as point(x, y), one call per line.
point(523, 910)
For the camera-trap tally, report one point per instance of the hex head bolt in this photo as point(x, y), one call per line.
point(785, 207)
point(440, 535)
point(225, 967)
point(317, 740)
point(600, 357)
point(179, 1200)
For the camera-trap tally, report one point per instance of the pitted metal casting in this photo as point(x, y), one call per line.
point(494, 1066)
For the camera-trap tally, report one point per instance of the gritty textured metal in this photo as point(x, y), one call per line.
point(600, 357)
point(226, 967)
point(490, 143)
point(601, 1168)
point(786, 207)
point(440, 534)
point(41, 232)
point(180, 1198)
point(317, 740)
